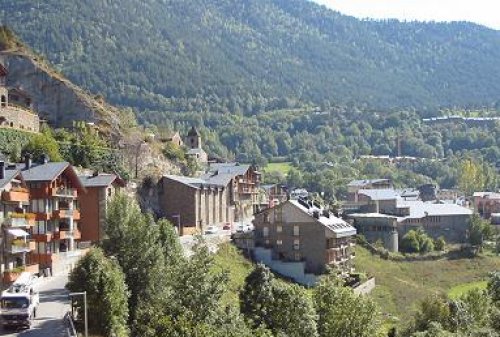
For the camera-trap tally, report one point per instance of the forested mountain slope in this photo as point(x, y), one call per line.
point(246, 56)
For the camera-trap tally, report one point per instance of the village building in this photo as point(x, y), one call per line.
point(367, 184)
point(299, 239)
point(195, 150)
point(388, 219)
point(16, 223)
point(486, 203)
point(175, 138)
point(53, 189)
point(272, 195)
point(225, 194)
point(16, 107)
point(100, 189)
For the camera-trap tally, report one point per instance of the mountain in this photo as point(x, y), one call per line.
point(246, 56)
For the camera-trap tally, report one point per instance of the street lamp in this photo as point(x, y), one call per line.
point(84, 294)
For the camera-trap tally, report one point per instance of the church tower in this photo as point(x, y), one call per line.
point(193, 139)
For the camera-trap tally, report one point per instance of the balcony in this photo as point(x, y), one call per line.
point(16, 194)
point(77, 235)
point(66, 214)
point(20, 220)
point(19, 246)
point(63, 192)
point(62, 234)
point(12, 275)
point(47, 237)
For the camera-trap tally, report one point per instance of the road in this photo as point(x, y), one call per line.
point(53, 305)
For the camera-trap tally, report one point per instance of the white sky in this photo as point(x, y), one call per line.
point(485, 12)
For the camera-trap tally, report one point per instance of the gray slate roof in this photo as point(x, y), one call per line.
point(383, 194)
point(192, 182)
point(236, 169)
point(9, 175)
point(101, 180)
point(335, 225)
point(366, 182)
point(43, 172)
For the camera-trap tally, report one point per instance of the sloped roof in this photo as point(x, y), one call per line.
point(43, 172)
point(337, 226)
point(236, 169)
point(420, 209)
point(366, 182)
point(10, 174)
point(379, 195)
point(49, 172)
point(191, 152)
point(193, 182)
point(193, 132)
point(101, 180)
point(487, 195)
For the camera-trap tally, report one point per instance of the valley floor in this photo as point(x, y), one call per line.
point(401, 285)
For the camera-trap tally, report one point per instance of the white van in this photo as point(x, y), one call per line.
point(19, 303)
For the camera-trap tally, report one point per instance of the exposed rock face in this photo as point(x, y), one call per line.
point(55, 98)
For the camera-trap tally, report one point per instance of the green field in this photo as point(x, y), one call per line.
point(282, 168)
point(229, 258)
point(461, 289)
point(401, 285)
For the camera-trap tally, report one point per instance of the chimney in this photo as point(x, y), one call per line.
point(27, 161)
point(45, 158)
point(2, 169)
point(95, 173)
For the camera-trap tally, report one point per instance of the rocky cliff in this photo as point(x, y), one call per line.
point(55, 98)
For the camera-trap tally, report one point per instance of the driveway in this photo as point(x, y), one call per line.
point(53, 305)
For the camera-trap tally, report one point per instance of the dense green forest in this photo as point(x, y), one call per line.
point(249, 56)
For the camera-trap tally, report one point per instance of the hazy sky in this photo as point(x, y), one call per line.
point(485, 12)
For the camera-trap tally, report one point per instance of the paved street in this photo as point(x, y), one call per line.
point(50, 313)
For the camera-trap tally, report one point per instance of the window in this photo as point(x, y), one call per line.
point(296, 244)
point(297, 256)
point(265, 232)
point(296, 230)
point(279, 229)
point(279, 242)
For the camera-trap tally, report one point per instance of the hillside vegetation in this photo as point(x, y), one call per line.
point(248, 56)
point(402, 285)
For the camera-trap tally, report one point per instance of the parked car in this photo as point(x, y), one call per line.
point(244, 228)
point(211, 230)
point(226, 227)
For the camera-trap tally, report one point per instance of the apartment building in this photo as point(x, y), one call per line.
point(367, 184)
point(487, 203)
point(100, 189)
point(302, 231)
point(392, 222)
point(226, 193)
point(53, 189)
point(16, 223)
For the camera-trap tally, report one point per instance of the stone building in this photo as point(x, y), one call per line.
point(195, 150)
point(15, 107)
point(367, 184)
point(227, 193)
point(392, 222)
point(100, 189)
point(302, 231)
point(487, 203)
